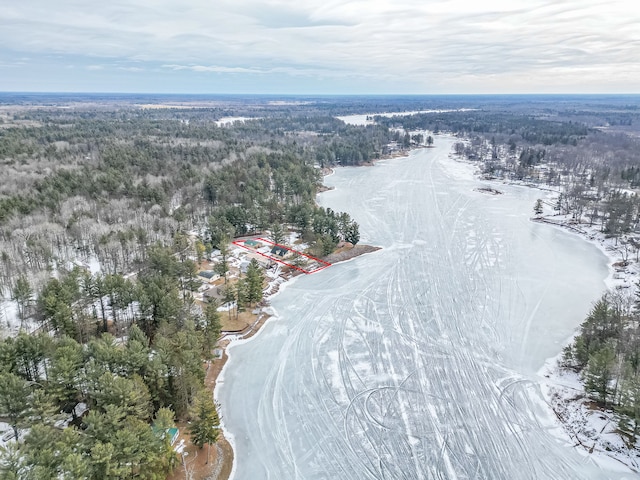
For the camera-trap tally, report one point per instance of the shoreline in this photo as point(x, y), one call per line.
point(580, 423)
point(229, 461)
point(549, 373)
point(577, 420)
point(229, 340)
point(587, 426)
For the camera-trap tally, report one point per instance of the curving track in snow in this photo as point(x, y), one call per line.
point(418, 361)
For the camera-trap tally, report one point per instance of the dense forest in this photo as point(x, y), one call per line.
point(105, 360)
point(107, 185)
point(607, 354)
point(103, 356)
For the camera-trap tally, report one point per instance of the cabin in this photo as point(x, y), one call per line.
point(208, 276)
point(279, 251)
point(213, 294)
point(263, 261)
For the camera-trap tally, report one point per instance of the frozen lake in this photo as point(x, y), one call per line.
point(367, 118)
point(418, 361)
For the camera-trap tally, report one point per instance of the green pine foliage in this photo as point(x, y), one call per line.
point(205, 423)
point(607, 354)
point(156, 372)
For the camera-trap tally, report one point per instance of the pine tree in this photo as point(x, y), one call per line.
point(205, 422)
point(14, 395)
point(277, 234)
point(22, 294)
point(630, 397)
point(228, 297)
point(65, 371)
point(222, 267)
point(241, 295)
point(212, 328)
point(599, 372)
point(352, 233)
point(538, 208)
point(254, 282)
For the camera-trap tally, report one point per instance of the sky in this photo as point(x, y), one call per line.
point(320, 46)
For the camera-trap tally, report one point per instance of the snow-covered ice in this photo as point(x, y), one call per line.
point(420, 361)
point(367, 118)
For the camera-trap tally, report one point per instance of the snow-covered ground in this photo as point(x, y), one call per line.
point(229, 121)
point(420, 361)
point(10, 322)
point(592, 431)
point(6, 434)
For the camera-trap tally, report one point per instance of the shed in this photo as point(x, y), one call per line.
point(252, 243)
point(173, 434)
point(170, 433)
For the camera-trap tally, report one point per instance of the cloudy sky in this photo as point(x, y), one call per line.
point(320, 46)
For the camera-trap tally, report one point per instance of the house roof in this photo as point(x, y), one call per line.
point(252, 243)
point(280, 251)
point(262, 260)
point(214, 292)
point(207, 274)
point(172, 433)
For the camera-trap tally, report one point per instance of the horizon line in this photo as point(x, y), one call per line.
point(390, 94)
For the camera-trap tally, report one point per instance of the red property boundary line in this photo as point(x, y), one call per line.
point(269, 242)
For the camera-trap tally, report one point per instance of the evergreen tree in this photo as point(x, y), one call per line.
point(129, 395)
point(164, 420)
point(22, 294)
point(228, 297)
point(600, 372)
point(65, 372)
point(630, 397)
point(538, 208)
point(352, 233)
point(211, 329)
point(29, 353)
point(241, 295)
point(14, 400)
point(222, 267)
point(254, 282)
point(205, 423)
point(277, 234)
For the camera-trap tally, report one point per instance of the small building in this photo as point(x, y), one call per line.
point(252, 243)
point(279, 251)
point(173, 434)
point(208, 276)
point(170, 433)
point(213, 294)
point(263, 261)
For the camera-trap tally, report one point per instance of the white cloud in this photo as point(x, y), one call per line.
point(419, 46)
point(214, 68)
